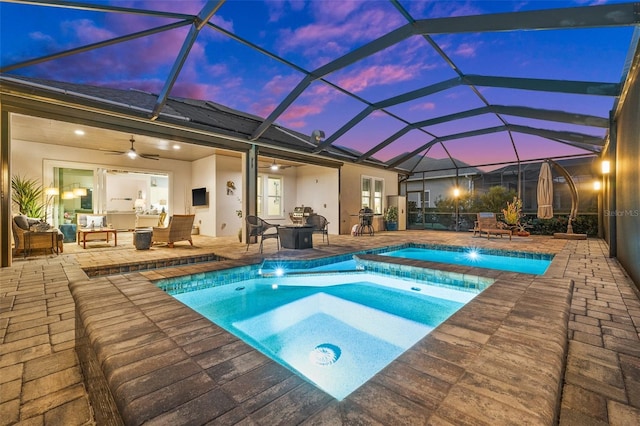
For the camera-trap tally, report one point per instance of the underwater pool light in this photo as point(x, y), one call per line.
point(473, 254)
point(279, 272)
point(274, 286)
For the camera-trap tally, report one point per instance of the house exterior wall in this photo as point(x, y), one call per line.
point(203, 175)
point(627, 180)
point(229, 200)
point(318, 188)
point(350, 196)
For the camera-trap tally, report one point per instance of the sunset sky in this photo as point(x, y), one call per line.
point(309, 34)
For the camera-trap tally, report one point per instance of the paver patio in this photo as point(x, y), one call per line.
point(41, 380)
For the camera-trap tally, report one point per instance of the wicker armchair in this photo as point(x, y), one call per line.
point(179, 229)
point(37, 241)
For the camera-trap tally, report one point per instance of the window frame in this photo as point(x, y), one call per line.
point(375, 202)
point(263, 197)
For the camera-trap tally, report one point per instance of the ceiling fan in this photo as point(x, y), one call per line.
point(132, 153)
point(275, 166)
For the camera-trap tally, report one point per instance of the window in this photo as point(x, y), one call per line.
point(427, 199)
point(372, 193)
point(269, 196)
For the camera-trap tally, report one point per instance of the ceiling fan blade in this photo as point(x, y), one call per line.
point(149, 156)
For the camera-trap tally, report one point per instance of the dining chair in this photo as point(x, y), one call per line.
point(320, 225)
point(258, 227)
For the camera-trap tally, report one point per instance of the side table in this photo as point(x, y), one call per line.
point(40, 240)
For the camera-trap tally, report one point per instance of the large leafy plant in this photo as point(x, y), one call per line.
point(27, 195)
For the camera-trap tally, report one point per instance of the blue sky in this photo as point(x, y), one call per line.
point(310, 34)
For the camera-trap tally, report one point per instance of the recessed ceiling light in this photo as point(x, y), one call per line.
point(176, 146)
point(79, 132)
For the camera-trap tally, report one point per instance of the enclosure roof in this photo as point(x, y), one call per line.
point(482, 82)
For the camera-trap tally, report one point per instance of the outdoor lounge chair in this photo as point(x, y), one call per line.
point(36, 240)
point(257, 227)
point(179, 229)
point(320, 225)
point(488, 224)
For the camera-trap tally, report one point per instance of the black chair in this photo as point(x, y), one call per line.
point(320, 225)
point(366, 221)
point(257, 227)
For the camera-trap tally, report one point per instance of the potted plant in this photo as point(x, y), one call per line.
point(513, 212)
point(27, 194)
point(522, 230)
point(391, 218)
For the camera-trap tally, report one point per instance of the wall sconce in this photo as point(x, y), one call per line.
point(456, 192)
point(606, 167)
point(597, 186)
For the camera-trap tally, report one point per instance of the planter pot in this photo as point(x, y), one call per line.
point(142, 239)
point(523, 233)
point(392, 226)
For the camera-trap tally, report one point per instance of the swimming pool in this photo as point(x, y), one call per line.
point(336, 330)
point(477, 258)
point(514, 261)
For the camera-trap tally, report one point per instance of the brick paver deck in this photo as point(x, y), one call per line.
point(490, 374)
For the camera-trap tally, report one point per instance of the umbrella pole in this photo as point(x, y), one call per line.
point(574, 194)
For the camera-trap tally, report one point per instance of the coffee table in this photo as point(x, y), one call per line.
point(83, 232)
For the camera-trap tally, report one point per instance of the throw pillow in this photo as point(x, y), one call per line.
point(22, 221)
point(97, 221)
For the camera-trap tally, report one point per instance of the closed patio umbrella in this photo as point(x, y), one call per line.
point(545, 192)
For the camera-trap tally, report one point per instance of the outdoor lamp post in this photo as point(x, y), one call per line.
point(456, 195)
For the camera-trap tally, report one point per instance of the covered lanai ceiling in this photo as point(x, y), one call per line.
point(483, 82)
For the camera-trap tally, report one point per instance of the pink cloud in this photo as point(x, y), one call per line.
point(426, 106)
point(85, 31)
point(467, 50)
point(338, 28)
point(339, 10)
point(281, 84)
point(374, 76)
point(293, 116)
point(195, 90)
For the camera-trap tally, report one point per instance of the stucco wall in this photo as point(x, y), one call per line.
point(228, 169)
point(350, 178)
point(627, 189)
point(318, 188)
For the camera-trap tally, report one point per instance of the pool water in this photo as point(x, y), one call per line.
point(336, 330)
point(474, 258)
point(521, 262)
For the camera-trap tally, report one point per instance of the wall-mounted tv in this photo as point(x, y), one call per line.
point(86, 201)
point(199, 197)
